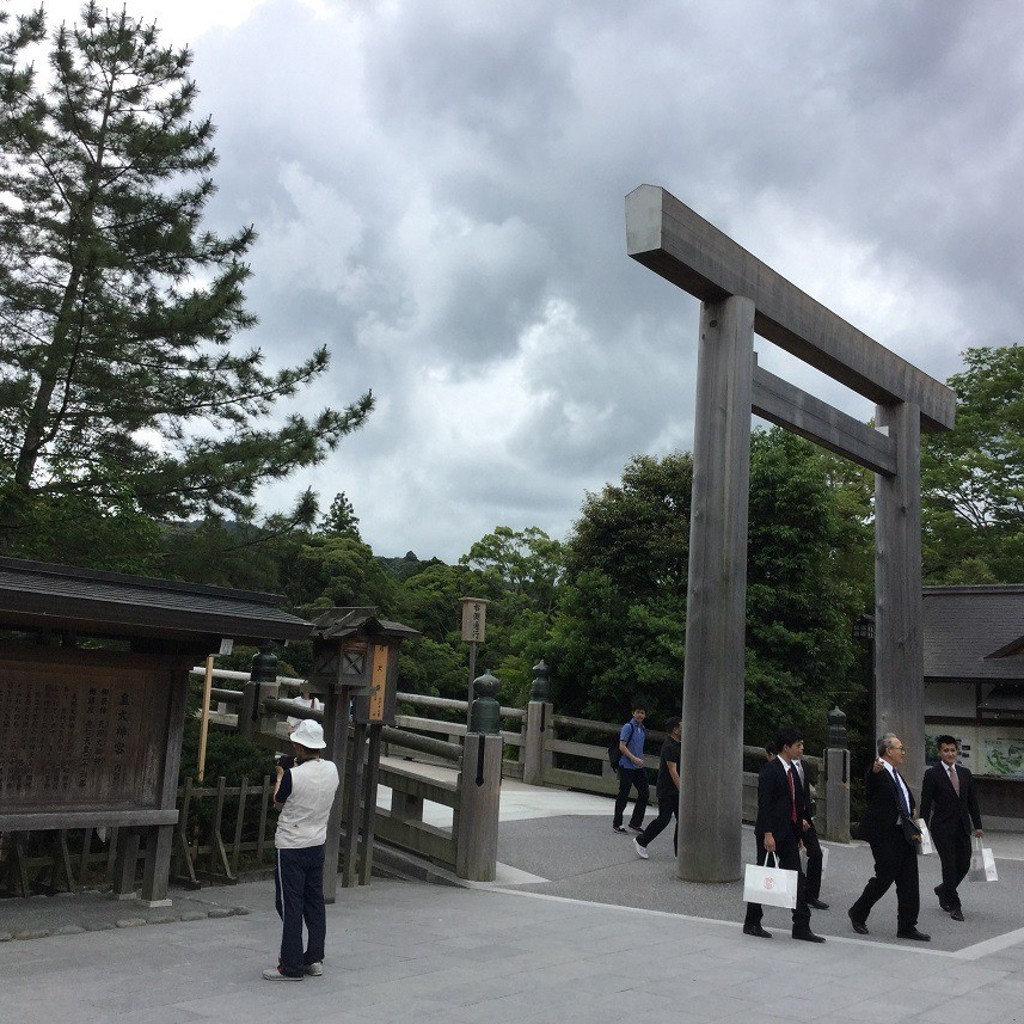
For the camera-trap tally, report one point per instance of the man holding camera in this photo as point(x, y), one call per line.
point(304, 795)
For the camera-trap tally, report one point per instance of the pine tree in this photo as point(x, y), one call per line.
point(341, 518)
point(117, 308)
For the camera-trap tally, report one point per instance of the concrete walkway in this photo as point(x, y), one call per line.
point(577, 929)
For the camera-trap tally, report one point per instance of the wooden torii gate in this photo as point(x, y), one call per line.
point(741, 296)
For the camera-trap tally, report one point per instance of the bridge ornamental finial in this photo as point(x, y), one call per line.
point(485, 714)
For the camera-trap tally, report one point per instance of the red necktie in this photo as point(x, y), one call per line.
point(792, 795)
point(953, 778)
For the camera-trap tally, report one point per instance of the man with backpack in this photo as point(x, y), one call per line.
point(632, 773)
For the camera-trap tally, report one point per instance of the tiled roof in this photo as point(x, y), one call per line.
point(39, 595)
point(963, 626)
point(337, 623)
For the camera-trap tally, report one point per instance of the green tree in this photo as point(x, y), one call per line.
point(337, 571)
point(618, 633)
point(341, 518)
point(429, 600)
point(526, 563)
point(116, 306)
point(620, 629)
point(801, 602)
point(973, 475)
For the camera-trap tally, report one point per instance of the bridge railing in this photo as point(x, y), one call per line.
point(433, 741)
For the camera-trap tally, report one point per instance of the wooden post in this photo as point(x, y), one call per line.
point(899, 650)
point(126, 860)
point(836, 826)
point(369, 805)
point(539, 717)
point(156, 866)
point(351, 812)
point(711, 797)
point(337, 711)
point(476, 839)
point(204, 722)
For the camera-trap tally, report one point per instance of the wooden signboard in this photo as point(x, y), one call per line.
point(377, 706)
point(82, 730)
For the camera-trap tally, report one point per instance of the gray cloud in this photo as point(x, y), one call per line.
point(439, 191)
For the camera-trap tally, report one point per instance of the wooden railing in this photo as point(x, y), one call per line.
point(514, 740)
point(401, 825)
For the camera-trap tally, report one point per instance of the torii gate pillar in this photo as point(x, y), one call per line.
point(709, 842)
point(899, 646)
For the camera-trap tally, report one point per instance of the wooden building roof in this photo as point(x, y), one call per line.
point(40, 596)
point(338, 623)
point(969, 633)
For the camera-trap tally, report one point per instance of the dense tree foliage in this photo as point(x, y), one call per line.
point(118, 386)
point(973, 475)
point(801, 602)
point(618, 634)
point(620, 630)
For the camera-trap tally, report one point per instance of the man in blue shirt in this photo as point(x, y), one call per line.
point(632, 772)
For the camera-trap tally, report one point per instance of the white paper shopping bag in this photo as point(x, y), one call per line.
point(925, 846)
point(983, 863)
point(770, 884)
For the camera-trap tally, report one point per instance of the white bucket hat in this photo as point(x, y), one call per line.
point(309, 734)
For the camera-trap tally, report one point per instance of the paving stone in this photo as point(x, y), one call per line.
point(36, 933)
point(130, 922)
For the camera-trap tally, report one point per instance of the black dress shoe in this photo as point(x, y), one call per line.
point(757, 931)
point(808, 936)
point(957, 915)
point(858, 926)
point(943, 902)
point(817, 905)
point(913, 933)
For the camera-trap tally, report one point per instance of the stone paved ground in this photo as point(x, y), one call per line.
point(401, 951)
point(576, 929)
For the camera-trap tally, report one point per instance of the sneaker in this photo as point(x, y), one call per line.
point(315, 970)
point(641, 851)
point(619, 829)
point(636, 828)
point(276, 974)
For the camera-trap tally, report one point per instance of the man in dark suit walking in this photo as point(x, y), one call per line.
point(780, 800)
point(809, 837)
point(949, 807)
point(889, 827)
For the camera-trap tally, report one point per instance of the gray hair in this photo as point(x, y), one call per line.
point(885, 742)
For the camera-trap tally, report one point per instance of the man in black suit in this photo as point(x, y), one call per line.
point(780, 799)
point(889, 827)
point(949, 807)
point(809, 837)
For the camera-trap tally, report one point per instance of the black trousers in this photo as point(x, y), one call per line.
point(813, 848)
point(667, 806)
point(787, 853)
point(628, 778)
point(299, 898)
point(954, 851)
point(895, 861)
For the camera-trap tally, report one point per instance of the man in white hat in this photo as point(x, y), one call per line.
point(304, 794)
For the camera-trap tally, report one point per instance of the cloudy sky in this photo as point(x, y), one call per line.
point(439, 184)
